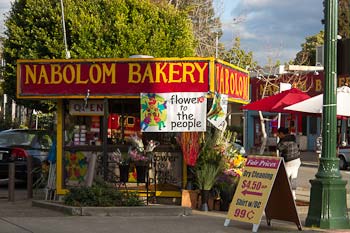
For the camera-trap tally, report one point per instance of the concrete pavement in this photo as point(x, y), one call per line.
point(309, 158)
point(21, 217)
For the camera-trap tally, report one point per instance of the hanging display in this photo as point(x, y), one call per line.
point(218, 111)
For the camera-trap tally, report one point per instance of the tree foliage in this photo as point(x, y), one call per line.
point(95, 29)
point(307, 55)
point(239, 57)
point(343, 18)
point(206, 25)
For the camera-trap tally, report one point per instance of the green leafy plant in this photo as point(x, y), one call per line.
point(100, 194)
point(133, 199)
point(206, 175)
point(210, 161)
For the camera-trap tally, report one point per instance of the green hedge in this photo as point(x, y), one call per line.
point(101, 194)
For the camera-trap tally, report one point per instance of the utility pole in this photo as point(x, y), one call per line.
point(64, 32)
point(328, 207)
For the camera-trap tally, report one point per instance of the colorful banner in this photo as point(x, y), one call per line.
point(76, 167)
point(254, 188)
point(232, 81)
point(111, 77)
point(173, 112)
point(218, 111)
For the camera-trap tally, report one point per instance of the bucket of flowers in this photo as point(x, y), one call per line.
point(123, 160)
point(141, 156)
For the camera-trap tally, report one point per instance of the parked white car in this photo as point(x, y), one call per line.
point(343, 152)
point(344, 157)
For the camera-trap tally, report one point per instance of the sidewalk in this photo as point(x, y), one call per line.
point(309, 158)
point(21, 217)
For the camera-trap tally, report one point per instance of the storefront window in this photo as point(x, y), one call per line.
point(82, 130)
point(128, 112)
point(123, 120)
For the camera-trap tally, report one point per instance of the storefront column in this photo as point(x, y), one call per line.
point(59, 135)
point(104, 138)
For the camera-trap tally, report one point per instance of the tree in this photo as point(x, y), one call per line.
point(206, 26)
point(343, 18)
point(237, 56)
point(95, 29)
point(307, 55)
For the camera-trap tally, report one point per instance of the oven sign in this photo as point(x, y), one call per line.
point(89, 108)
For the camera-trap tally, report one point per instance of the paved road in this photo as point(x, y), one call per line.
point(309, 169)
point(307, 173)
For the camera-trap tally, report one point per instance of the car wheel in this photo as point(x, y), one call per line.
point(342, 163)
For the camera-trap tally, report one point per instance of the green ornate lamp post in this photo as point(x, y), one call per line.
point(328, 207)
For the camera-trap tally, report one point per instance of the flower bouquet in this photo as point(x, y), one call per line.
point(137, 142)
point(137, 156)
point(151, 146)
point(137, 151)
point(121, 158)
point(234, 163)
point(141, 156)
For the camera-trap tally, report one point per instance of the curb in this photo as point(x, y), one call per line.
point(123, 211)
point(309, 164)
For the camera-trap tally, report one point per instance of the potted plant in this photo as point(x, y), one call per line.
point(206, 176)
point(141, 161)
point(209, 166)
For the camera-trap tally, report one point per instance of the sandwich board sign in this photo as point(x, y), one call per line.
point(263, 186)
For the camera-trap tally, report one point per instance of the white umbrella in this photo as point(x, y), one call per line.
point(315, 104)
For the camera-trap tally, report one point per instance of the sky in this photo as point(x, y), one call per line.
point(5, 6)
point(270, 28)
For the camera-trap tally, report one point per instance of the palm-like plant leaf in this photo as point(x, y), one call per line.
point(206, 175)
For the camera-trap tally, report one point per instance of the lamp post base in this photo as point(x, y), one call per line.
point(328, 207)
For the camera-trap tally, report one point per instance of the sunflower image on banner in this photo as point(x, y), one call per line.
point(173, 112)
point(218, 111)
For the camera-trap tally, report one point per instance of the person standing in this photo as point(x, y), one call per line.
point(289, 150)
